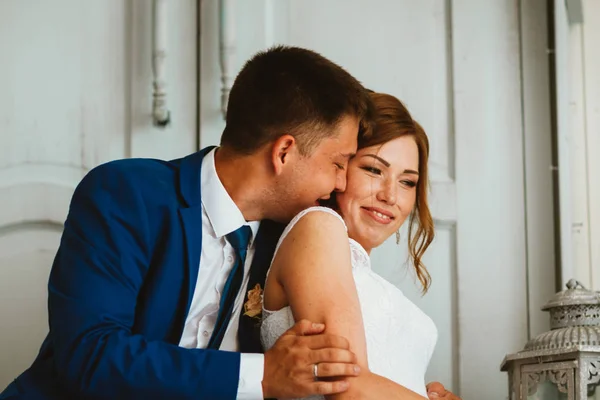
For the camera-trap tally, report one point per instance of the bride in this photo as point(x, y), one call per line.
point(321, 268)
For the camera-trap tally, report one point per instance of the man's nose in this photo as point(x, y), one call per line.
point(340, 181)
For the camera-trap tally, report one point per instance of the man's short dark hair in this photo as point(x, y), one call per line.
point(291, 90)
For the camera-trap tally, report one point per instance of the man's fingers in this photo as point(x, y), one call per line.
point(437, 388)
point(325, 388)
point(332, 356)
point(331, 370)
point(305, 327)
point(290, 363)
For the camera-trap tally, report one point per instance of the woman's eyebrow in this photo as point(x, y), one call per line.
point(381, 160)
point(387, 164)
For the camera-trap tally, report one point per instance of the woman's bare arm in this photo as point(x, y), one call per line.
point(314, 268)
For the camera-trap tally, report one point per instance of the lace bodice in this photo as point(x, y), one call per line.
point(400, 337)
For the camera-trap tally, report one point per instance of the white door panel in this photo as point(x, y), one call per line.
point(26, 254)
point(76, 91)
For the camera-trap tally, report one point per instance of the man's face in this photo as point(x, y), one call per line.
point(314, 177)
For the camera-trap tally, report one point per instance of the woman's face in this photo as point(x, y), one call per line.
point(381, 190)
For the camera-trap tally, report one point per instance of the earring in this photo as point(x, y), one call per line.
point(398, 236)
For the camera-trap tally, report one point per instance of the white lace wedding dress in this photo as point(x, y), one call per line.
point(400, 337)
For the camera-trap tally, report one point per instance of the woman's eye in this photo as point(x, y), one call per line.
point(372, 170)
point(409, 183)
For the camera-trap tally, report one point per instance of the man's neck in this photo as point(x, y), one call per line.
point(244, 180)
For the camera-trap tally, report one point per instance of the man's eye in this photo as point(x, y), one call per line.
point(339, 166)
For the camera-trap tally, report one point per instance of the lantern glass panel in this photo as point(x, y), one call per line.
point(548, 391)
point(551, 381)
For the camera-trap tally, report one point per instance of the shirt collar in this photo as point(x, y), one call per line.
point(223, 214)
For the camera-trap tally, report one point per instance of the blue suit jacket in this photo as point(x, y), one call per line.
point(121, 287)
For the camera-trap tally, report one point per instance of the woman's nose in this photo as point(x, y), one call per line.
point(387, 192)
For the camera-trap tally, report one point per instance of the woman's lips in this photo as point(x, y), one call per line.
point(379, 215)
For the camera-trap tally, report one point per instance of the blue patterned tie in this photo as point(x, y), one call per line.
point(239, 240)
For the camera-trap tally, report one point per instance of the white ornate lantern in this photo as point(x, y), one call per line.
point(564, 363)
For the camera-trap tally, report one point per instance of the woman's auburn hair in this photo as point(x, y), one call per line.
point(392, 120)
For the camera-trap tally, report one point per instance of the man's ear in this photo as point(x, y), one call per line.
point(282, 150)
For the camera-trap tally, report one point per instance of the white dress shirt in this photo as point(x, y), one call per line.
point(220, 216)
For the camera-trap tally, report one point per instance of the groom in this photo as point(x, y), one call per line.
point(147, 290)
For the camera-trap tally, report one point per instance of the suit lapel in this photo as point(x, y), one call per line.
point(191, 217)
point(266, 240)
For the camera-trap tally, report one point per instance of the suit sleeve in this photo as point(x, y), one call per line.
point(94, 284)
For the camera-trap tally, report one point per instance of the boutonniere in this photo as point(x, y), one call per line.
point(253, 307)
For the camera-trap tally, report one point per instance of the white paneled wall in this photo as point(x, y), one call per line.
point(539, 173)
point(578, 112)
point(492, 285)
point(591, 51)
point(76, 91)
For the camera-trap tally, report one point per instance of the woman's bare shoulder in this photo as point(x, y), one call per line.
point(317, 220)
point(318, 236)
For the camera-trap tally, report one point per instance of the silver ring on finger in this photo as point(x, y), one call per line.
point(316, 371)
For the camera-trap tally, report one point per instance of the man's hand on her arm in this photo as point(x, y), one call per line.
point(289, 364)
